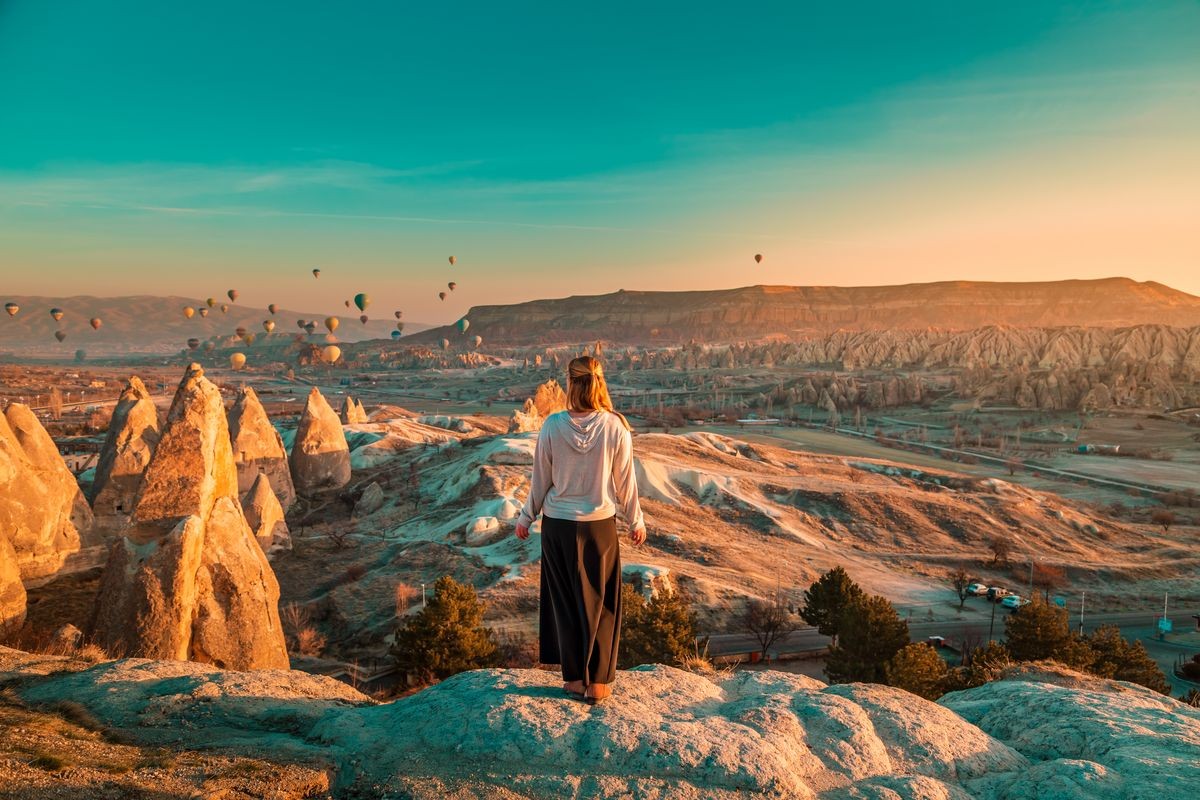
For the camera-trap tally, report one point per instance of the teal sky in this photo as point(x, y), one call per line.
point(566, 148)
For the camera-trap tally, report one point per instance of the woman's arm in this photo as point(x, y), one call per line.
point(539, 484)
point(625, 482)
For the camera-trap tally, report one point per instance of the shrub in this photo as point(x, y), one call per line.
point(918, 668)
point(1040, 631)
point(447, 636)
point(871, 634)
point(661, 630)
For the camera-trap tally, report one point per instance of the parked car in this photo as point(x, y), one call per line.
point(977, 589)
point(1014, 601)
point(936, 641)
point(995, 593)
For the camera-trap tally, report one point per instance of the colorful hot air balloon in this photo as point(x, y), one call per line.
point(400, 327)
point(463, 324)
point(331, 353)
point(12, 309)
point(441, 295)
point(347, 303)
point(57, 313)
point(310, 328)
point(250, 337)
point(60, 335)
point(233, 295)
point(453, 260)
point(362, 300)
point(212, 301)
point(268, 325)
point(478, 340)
point(272, 308)
point(224, 308)
point(399, 314)
point(452, 286)
point(363, 319)
point(445, 344)
point(395, 334)
point(332, 323)
point(95, 323)
point(204, 312)
point(316, 273)
point(758, 258)
point(189, 312)
point(193, 343)
point(237, 360)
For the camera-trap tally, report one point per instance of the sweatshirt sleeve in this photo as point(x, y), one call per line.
point(625, 482)
point(540, 483)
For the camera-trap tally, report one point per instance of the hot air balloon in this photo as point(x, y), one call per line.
point(81, 355)
point(300, 324)
point(250, 337)
point(310, 328)
point(362, 300)
point(395, 334)
point(241, 332)
point(316, 273)
point(224, 308)
point(400, 327)
point(453, 260)
point(210, 346)
point(193, 343)
point(452, 286)
point(463, 324)
point(331, 353)
point(12, 309)
point(332, 323)
point(57, 313)
point(268, 325)
point(189, 312)
point(233, 295)
point(95, 323)
point(212, 301)
point(204, 312)
point(347, 302)
point(441, 295)
point(363, 319)
point(445, 344)
point(758, 258)
point(329, 337)
point(237, 360)
point(478, 340)
point(60, 335)
point(399, 314)
point(272, 308)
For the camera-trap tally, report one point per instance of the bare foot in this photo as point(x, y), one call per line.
point(573, 687)
point(599, 691)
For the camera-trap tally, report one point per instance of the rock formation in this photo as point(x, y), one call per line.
point(188, 581)
point(12, 591)
point(258, 448)
point(370, 501)
point(320, 457)
point(42, 512)
point(128, 447)
point(265, 517)
point(352, 411)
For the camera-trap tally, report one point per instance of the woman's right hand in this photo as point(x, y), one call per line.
point(638, 535)
point(522, 532)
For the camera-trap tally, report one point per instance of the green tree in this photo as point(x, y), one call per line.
point(981, 665)
point(1115, 657)
point(661, 630)
point(1040, 631)
point(871, 634)
point(827, 599)
point(918, 668)
point(447, 636)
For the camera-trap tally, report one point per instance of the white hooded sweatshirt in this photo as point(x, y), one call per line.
point(583, 470)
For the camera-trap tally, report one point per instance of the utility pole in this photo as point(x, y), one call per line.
point(1082, 605)
point(422, 595)
point(1030, 597)
point(992, 624)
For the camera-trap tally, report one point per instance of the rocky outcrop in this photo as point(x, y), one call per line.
point(258, 448)
point(352, 411)
point(42, 512)
point(12, 591)
point(665, 734)
point(265, 517)
point(188, 581)
point(370, 501)
point(320, 457)
point(128, 447)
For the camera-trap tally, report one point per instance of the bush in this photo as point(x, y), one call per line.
point(918, 668)
point(871, 634)
point(1114, 657)
point(1040, 631)
point(447, 636)
point(661, 630)
point(1190, 670)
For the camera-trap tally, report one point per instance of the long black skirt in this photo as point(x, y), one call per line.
point(580, 620)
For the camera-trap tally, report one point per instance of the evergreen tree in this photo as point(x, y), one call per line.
point(981, 665)
point(661, 630)
point(1115, 657)
point(1040, 631)
point(870, 635)
point(447, 636)
point(827, 599)
point(918, 668)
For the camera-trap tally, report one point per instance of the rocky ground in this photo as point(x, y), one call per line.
point(175, 729)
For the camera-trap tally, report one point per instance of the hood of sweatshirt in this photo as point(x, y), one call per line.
point(582, 433)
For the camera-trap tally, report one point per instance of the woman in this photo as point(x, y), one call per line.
point(582, 477)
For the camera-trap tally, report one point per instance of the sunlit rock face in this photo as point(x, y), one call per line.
point(188, 580)
point(12, 591)
point(258, 448)
point(132, 436)
point(43, 514)
point(265, 517)
point(320, 457)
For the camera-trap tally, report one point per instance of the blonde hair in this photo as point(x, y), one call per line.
point(586, 388)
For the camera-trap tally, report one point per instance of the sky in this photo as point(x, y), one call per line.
point(570, 148)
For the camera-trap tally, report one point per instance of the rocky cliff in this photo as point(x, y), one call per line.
point(188, 580)
point(513, 735)
point(806, 311)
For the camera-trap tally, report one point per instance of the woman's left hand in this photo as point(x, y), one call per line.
point(522, 532)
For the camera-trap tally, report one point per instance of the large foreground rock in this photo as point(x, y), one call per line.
point(12, 591)
point(320, 456)
point(666, 734)
point(188, 581)
point(258, 448)
point(42, 512)
point(132, 436)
